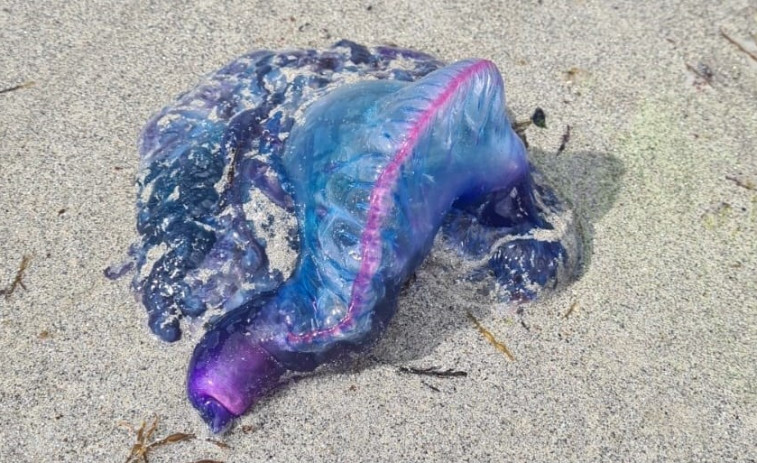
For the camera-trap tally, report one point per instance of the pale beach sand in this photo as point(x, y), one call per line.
point(656, 362)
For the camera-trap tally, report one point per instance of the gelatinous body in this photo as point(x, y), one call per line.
point(373, 152)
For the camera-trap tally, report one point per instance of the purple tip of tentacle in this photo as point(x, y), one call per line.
point(217, 417)
point(228, 373)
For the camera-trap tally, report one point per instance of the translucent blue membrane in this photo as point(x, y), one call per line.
point(375, 152)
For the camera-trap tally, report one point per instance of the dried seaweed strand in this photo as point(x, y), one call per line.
point(18, 280)
point(433, 388)
point(738, 44)
point(433, 371)
point(218, 443)
point(572, 308)
point(17, 87)
point(490, 337)
point(140, 449)
point(707, 77)
point(748, 185)
point(565, 139)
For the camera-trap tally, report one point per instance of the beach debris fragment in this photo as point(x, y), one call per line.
point(18, 280)
point(248, 428)
point(739, 44)
point(218, 443)
point(433, 371)
point(742, 183)
point(539, 118)
point(564, 140)
point(141, 449)
point(17, 87)
point(490, 337)
point(433, 388)
point(572, 309)
point(703, 74)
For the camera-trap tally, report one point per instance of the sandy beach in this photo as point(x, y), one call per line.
point(648, 356)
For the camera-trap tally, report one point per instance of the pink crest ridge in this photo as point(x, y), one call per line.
point(370, 240)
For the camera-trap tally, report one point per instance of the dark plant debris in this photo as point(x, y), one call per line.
point(141, 449)
point(18, 280)
point(490, 337)
point(738, 44)
point(433, 388)
point(743, 184)
point(539, 118)
point(17, 87)
point(565, 139)
point(433, 371)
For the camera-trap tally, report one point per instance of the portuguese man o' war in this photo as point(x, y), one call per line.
point(354, 161)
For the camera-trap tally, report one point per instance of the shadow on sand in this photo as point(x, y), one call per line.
point(587, 181)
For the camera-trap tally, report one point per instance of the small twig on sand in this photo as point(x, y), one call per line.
point(18, 280)
point(490, 337)
point(433, 388)
point(572, 308)
point(565, 139)
point(702, 71)
point(748, 185)
point(17, 87)
point(738, 44)
point(141, 449)
point(218, 443)
point(433, 371)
